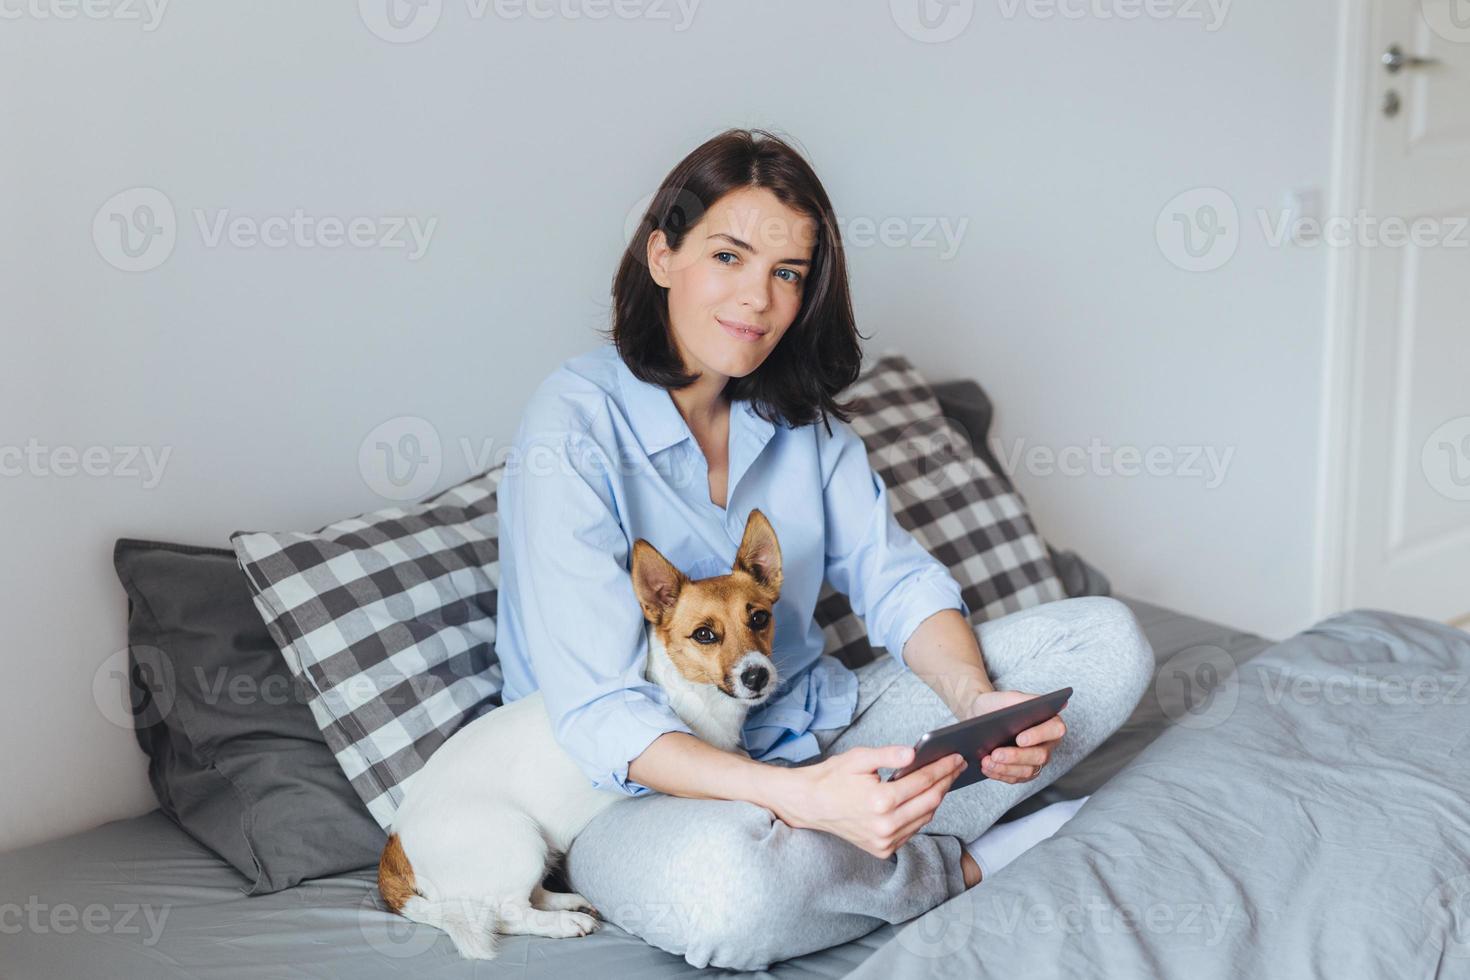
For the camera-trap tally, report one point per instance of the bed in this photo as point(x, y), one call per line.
point(139, 899)
point(1291, 809)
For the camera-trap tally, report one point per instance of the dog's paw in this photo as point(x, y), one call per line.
point(584, 923)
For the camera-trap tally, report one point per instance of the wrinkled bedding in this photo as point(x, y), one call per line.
point(1243, 823)
point(1308, 817)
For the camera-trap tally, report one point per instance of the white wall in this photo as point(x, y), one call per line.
point(261, 370)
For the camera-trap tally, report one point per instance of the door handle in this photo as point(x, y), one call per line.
point(1394, 59)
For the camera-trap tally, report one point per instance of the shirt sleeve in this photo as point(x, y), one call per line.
point(564, 564)
point(887, 576)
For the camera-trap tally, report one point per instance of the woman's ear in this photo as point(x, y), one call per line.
point(656, 582)
point(658, 257)
point(759, 555)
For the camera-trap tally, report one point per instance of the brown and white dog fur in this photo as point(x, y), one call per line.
point(500, 801)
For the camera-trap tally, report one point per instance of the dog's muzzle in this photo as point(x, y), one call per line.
point(753, 678)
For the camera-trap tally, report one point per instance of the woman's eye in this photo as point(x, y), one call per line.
point(759, 619)
point(704, 635)
point(795, 276)
point(731, 254)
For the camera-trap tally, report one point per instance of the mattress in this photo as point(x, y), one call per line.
point(138, 899)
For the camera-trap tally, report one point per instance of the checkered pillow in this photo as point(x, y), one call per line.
point(948, 498)
point(390, 620)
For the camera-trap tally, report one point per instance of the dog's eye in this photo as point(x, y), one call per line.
point(705, 635)
point(759, 619)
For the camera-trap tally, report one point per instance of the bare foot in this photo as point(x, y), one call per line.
point(970, 868)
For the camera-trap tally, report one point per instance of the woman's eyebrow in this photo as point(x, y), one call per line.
point(749, 248)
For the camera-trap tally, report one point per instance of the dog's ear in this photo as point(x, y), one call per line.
point(759, 555)
point(656, 582)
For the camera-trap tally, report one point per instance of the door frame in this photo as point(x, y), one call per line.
point(1337, 447)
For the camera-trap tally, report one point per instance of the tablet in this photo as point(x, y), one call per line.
point(981, 735)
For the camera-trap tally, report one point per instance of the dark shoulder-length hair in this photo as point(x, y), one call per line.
point(818, 356)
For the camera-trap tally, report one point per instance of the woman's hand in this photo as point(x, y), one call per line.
point(844, 796)
point(1033, 748)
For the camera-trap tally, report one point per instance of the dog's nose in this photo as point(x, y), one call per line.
point(754, 678)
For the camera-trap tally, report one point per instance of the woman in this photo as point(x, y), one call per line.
point(732, 333)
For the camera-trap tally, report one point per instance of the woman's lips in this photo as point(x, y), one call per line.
point(740, 333)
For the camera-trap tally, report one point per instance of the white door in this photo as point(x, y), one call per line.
point(1407, 535)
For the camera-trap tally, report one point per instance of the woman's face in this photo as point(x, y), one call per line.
point(744, 265)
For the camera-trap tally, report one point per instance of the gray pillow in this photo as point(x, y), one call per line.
point(234, 754)
point(967, 405)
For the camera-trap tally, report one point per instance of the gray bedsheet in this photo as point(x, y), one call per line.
point(1310, 818)
point(139, 900)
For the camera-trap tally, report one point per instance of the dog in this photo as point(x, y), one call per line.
point(500, 802)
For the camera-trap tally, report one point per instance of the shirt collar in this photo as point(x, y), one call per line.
point(656, 419)
point(652, 413)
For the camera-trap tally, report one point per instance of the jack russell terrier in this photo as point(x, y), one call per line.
point(500, 802)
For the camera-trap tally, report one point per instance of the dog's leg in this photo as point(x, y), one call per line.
point(560, 901)
point(526, 920)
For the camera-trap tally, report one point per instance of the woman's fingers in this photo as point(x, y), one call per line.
point(1023, 767)
point(900, 791)
point(922, 806)
point(1050, 730)
point(1037, 755)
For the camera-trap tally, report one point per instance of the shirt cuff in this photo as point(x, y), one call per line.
point(924, 598)
point(632, 746)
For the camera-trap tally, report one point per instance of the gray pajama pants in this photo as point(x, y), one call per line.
point(726, 884)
